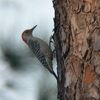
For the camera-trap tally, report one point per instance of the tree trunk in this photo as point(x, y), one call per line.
point(77, 43)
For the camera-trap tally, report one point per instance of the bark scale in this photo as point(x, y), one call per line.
point(77, 43)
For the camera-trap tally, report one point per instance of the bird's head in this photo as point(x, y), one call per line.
point(27, 33)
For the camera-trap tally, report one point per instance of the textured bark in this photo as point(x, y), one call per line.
point(77, 41)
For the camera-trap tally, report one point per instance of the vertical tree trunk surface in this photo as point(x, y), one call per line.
point(77, 41)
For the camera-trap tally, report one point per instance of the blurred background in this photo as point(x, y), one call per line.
point(22, 77)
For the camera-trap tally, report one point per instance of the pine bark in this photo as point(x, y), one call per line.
point(77, 43)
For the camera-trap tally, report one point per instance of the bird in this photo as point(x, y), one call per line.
point(40, 48)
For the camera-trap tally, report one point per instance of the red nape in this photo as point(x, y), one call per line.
point(23, 37)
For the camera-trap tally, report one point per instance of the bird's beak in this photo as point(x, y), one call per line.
point(33, 27)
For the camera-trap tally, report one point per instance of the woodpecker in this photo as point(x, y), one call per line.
point(40, 49)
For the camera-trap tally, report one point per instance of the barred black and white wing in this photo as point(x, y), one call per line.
point(35, 47)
